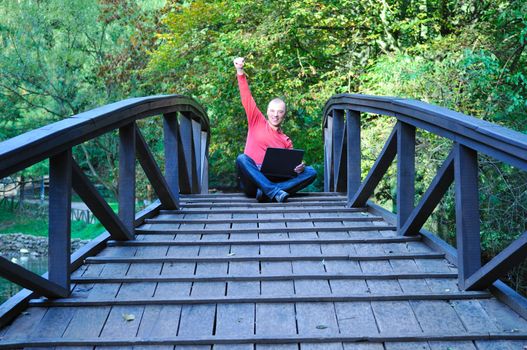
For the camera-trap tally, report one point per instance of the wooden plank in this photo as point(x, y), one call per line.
point(226, 258)
point(407, 346)
point(120, 324)
point(245, 209)
point(340, 228)
point(159, 321)
point(395, 316)
point(53, 324)
point(271, 276)
point(377, 171)
point(437, 316)
point(356, 318)
point(197, 320)
point(467, 212)
point(234, 319)
point(273, 319)
point(325, 321)
point(153, 173)
point(87, 322)
point(273, 339)
point(269, 295)
point(473, 316)
point(458, 345)
point(405, 172)
point(329, 245)
point(289, 220)
point(25, 322)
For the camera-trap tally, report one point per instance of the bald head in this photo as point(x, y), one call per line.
point(276, 112)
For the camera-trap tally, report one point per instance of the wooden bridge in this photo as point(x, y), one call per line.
point(326, 270)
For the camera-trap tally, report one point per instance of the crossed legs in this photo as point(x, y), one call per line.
point(251, 179)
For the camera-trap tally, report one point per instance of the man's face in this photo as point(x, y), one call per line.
point(276, 113)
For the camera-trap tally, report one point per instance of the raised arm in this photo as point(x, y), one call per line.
point(252, 111)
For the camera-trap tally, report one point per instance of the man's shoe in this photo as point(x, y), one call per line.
point(281, 196)
point(259, 195)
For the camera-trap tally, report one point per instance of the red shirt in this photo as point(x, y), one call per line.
point(260, 135)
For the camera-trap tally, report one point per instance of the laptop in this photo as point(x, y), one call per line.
point(279, 163)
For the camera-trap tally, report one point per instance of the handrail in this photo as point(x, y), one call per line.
point(186, 135)
point(342, 171)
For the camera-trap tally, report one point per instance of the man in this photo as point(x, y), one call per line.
point(263, 133)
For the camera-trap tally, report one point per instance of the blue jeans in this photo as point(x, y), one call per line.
point(251, 178)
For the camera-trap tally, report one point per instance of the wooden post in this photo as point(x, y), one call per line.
point(405, 172)
point(196, 143)
point(354, 152)
point(328, 154)
point(467, 212)
point(204, 162)
point(171, 135)
point(188, 162)
point(59, 237)
point(127, 175)
point(339, 134)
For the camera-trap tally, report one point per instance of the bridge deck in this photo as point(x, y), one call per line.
point(229, 273)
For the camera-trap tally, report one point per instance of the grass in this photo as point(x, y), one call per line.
point(31, 222)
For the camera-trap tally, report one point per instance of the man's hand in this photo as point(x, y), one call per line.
point(300, 168)
point(238, 64)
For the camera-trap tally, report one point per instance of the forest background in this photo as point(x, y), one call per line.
point(62, 57)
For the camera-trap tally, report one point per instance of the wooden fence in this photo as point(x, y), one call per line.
point(342, 171)
point(186, 140)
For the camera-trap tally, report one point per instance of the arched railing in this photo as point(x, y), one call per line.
point(342, 114)
point(186, 141)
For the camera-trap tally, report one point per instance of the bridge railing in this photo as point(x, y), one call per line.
point(470, 136)
point(186, 140)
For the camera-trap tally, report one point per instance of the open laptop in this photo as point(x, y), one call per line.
point(279, 163)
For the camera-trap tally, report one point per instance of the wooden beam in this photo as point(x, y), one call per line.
point(238, 258)
point(286, 298)
point(375, 338)
point(153, 173)
point(338, 136)
point(27, 279)
point(354, 153)
point(196, 146)
point(171, 143)
point(59, 235)
point(431, 198)
point(187, 162)
point(264, 277)
point(502, 263)
point(405, 172)
point(269, 230)
point(172, 242)
point(467, 212)
point(377, 171)
point(204, 162)
point(127, 175)
point(98, 206)
point(328, 155)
